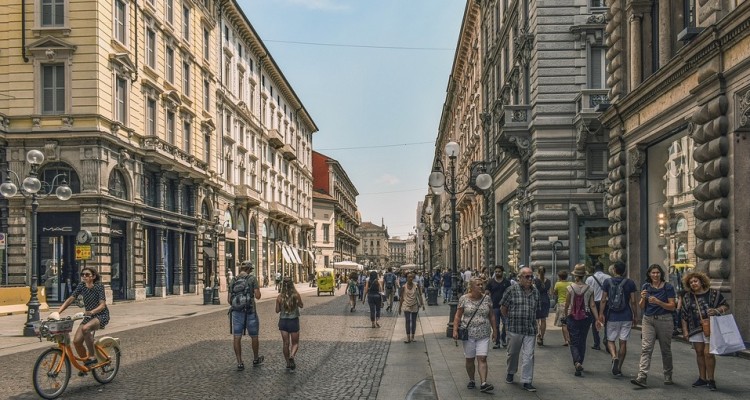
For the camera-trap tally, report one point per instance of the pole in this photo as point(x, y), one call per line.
point(33, 304)
point(215, 292)
point(453, 303)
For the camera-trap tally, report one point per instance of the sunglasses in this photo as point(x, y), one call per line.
point(85, 274)
point(527, 276)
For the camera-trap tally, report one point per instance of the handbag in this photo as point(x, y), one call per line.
point(463, 333)
point(726, 338)
point(705, 323)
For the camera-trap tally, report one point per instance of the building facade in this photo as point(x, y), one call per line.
point(678, 121)
point(397, 255)
point(324, 219)
point(163, 117)
point(372, 251)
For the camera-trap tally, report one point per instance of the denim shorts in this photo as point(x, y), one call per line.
point(241, 324)
point(290, 325)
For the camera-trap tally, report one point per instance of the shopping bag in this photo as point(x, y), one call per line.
point(725, 336)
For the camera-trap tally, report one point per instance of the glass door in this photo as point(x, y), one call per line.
point(57, 272)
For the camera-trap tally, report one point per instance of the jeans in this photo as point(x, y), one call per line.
point(375, 302)
point(411, 322)
point(656, 328)
point(361, 287)
point(447, 292)
point(578, 331)
point(499, 319)
point(521, 347)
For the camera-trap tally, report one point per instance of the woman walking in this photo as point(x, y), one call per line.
point(699, 303)
point(288, 304)
point(474, 313)
point(560, 291)
point(658, 302)
point(543, 285)
point(579, 309)
point(352, 290)
point(410, 301)
point(374, 298)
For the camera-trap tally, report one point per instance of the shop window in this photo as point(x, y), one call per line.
point(593, 237)
point(117, 186)
point(171, 196)
point(148, 188)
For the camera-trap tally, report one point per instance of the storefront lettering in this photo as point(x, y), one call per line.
point(57, 229)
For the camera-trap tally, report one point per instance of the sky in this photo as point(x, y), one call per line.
point(373, 75)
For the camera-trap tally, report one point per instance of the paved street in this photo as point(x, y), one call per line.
point(188, 355)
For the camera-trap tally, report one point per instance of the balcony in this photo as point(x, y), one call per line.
point(288, 152)
point(586, 121)
point(514, 134)
point(282, 213)
point(588, 99)
point(275, 139)
point(306, 223)
point(247, 195)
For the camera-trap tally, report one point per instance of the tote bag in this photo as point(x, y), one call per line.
point(725, 336)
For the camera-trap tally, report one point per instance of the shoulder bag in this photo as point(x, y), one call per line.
point(463, 333)
point(705, 323)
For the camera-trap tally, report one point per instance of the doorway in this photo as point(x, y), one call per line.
point(119, 262)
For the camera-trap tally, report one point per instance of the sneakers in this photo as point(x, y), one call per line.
point(639, 382)
point(700, 382)
point(509, 378)
point(486, 387)
point(596, 347)
point(471, 385)
point(91, 362)
point(668, 380)
point(579, 369)
point(529, 387)
point(615, 366)
point(712, 385)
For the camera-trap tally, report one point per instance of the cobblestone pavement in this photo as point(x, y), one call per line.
point(340, 356)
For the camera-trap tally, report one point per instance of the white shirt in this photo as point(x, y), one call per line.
point(601, 277)
point(467, 275)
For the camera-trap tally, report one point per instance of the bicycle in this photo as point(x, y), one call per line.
point(52, 368)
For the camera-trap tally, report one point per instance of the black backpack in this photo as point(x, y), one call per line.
point(243, 294)
point(390, 279)
point(616, 297)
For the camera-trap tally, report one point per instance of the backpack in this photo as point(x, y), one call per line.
point(579, 305)
point(353, 290)
point(616, 297)
point(390, 279)
point(243, 294)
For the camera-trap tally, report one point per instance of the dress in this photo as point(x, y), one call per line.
point(543, 287)
point(92, 297)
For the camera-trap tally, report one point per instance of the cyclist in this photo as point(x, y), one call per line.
point(96, 315)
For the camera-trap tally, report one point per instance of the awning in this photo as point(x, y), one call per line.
point(285, 254)
point(295, 255)
point(312, 256)
point(209, 252)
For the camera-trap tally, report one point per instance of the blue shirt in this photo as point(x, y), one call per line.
point(628, 287)
point(447, 277)
point(664, 293)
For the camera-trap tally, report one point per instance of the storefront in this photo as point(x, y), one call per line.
point(58, 269)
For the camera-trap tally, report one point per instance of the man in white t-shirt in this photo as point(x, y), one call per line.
point(466, 276)
point(596, 281)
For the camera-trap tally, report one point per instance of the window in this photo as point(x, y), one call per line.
point(597, 69)
point(53, 89)
point(228, 72)
point(150, 48)
point(186, 23)
point(187, 132)
point(239, 50)
point(206, 148)
point(148, 188)
point(169, 58)
point(151, 116)
point(206, 94)
point(241, 86)
point(326, 233)
point(53, 13)
point(186, 77)
point(170, 127)
point(121, 13)
point(206, 43)
point(121, 99)
point(596, 161)
point(170, 11)
point(226, 33)
point(117, 187)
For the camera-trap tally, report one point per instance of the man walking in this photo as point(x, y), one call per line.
point(496, 289)
point(595, 282)
point(619, 294)
point(447, 278)
point(391, 285)
point(243, 292)
point(519, 305)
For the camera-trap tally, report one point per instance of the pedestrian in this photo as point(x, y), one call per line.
point(658, 303)
point(474, 313)
point(436, 280)
point(277, 281)
point(352, 290)
point(618, 313)
point(595, 282)
point(496, 288)
point(447, 285)
point(361, 285)
point(96, 314)
point(466, 278)
point(519, 305)
point(374, 298)
point(560, 291)
point(242, 296)
point(580, 310)
point(543, 286)
point(410, 301)
point(699, 304)
point(391, 284)
point(288, 304)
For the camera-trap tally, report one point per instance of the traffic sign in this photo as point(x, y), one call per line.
point(83, 252)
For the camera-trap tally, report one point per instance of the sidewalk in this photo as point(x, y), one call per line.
point(130, 315)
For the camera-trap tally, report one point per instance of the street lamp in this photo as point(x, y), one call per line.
point(31, 187)
point(478, 180)
point(215, 229)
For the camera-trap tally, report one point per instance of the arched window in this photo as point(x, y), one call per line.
point(241, 227)
point(117, 186)
point(204, 212)
point(62, 171)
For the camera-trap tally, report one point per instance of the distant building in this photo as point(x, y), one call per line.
point(397, 252)
point(373, 248)
point(324, 213)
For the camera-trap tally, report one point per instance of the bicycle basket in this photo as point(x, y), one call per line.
point(50, 328)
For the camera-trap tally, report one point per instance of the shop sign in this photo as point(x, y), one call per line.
point(83, 252)
point(2, 240)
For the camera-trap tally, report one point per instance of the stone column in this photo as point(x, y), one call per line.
point(665, 33)
point(636, 50)
point(160, 286)
point(178, 261)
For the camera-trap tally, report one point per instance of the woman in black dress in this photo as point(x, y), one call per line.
point(543, 285)
point(96, 315)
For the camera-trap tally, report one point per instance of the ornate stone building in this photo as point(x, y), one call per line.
point(372, 251)
point(163, 116)
point(678, 123)
point(542, 76)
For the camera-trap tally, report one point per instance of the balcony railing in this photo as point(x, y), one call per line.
point(588, 99)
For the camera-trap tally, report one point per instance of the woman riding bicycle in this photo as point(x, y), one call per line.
point(96, 316)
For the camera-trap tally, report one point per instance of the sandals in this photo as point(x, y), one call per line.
point(240, 367)
point(292, 365)
point(258, 361)
point(90, 362)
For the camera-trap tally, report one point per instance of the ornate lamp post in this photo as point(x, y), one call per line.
point(33, 188)
point(215, 229)
point(478, 180)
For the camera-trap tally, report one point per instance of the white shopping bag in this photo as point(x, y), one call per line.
point(725, 336)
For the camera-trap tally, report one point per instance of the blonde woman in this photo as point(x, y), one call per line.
point(410, 301)
point(288, 304)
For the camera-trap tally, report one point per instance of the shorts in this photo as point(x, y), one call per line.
point(698, 338)
point(290, 325)
point(619, 330)
point(560, 316)
point(241, 324)
point(476, 347)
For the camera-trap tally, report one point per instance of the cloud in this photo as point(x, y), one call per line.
point(387, 179)
point(326, 5)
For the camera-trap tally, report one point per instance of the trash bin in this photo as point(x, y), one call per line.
point(432, 295)
point(207, 295)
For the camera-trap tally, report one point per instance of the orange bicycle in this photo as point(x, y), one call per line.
point(52, 368)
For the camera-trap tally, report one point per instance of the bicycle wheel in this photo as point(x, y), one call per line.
point(47, 382)
point(107, 372)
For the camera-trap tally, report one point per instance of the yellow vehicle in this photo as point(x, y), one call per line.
point(325, 278)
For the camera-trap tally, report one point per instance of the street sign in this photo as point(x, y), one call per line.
point(2, 240)
point(83, 252)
